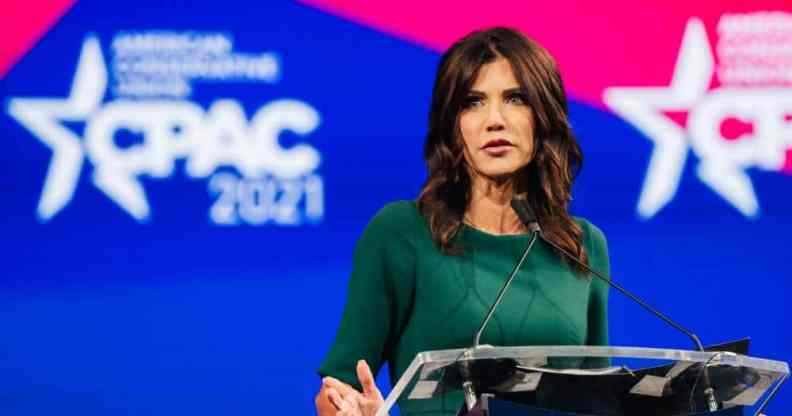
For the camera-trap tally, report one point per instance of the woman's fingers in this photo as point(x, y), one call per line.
point(366, 378)
point(355, 404)
point(351, 406)
point(351, 402)
point(340, 386)
point(336, 399)
point(324, 404)
point(343, 396)
point(372, 398)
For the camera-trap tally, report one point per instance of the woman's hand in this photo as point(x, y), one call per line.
point(345, 400)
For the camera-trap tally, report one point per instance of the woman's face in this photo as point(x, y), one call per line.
point(497, 123)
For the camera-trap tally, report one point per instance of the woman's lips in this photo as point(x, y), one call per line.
point(497, 147)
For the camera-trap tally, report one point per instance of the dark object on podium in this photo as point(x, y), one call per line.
point(569, 380)
point(608, 394)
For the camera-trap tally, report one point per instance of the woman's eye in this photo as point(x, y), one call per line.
point(516, 99)
point(471, 102)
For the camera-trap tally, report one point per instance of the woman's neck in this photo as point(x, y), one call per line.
point(490, 208)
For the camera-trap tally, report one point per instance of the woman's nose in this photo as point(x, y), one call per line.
point(495, 119)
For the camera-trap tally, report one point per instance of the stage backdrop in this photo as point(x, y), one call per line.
point(183, 181)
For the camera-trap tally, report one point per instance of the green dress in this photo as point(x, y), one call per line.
point(405, 296)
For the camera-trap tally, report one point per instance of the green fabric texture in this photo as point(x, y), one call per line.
point(405, 296)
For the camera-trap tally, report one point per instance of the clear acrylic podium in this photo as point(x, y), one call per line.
point(583, 380)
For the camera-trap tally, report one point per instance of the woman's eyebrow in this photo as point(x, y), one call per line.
point(505, 92)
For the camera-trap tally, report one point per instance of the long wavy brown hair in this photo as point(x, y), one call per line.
point(546, 181)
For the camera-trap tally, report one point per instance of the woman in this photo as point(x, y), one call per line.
point(425, 273)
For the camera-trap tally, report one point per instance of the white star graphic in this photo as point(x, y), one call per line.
point(643, 107)
point(44, 117)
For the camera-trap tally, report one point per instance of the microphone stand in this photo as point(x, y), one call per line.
point(468, 388)
point(527, 216)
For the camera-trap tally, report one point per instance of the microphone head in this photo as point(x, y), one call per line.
point(523, 210)
point(526, 214)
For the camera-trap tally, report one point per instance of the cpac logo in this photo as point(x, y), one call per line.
point(723, 161)
point(170, 130)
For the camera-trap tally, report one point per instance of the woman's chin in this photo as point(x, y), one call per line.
point(498, 176)
point(500, 171)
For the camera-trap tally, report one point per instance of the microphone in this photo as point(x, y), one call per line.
point(503, 289)
point(465, 370)
point(527, 216)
